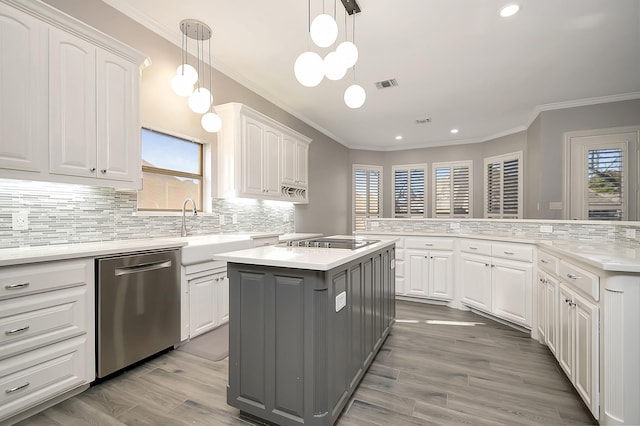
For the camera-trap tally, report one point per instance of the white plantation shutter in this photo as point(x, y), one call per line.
point(503, 186)
point(367, 194)
point(408, 190)
point(452, 189)
point(606, 183)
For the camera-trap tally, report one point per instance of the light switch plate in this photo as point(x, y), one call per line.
point(374, 224)
point(555, 205)
point(630, 233)
point(285, 217)
point(234, 218)
point(454, 225)
point(221, 219)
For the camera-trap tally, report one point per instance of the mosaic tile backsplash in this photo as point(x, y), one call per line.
point(60, 214)
point(568, 230)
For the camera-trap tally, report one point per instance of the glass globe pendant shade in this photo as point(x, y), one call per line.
point(190, 74)
point(211, 122)
point(348, 52)
point(200, 100)
point(324, 30)
point(181, 85)
point(334, 67)
point(354, 96)
point(309, 69)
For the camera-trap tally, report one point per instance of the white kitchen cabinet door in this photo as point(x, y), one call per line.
point(253, 132)
point(551, 322)
point(302, 163)
point(417, 279)
point(72, 105)
point(586, 366)
point(475, 281)
point(511, 292)
point(566, 330)
point(118, 134)
point(288, 159)
point(441, 275)
point(203, 312)
point(541, 306)
point(23, 91)
point(271, 161)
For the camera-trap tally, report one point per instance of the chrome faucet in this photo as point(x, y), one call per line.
point(195, 213)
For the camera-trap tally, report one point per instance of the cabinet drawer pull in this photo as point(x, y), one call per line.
point(16, 330)
point(572, 276)
point(510, 253)
point(572, 304)
point(567, 300)
point(16, 389)
point(428, 244)
point(103, 171)
point(16, 286)
point(544, 261)
point(473, 248)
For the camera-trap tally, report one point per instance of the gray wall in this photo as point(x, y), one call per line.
point(475, 152)
point(553, 125)
point(328, 210)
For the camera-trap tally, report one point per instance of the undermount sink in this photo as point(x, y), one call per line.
point(201, 248)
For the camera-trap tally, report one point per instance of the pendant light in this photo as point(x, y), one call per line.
point(334, 68)
point(347, 50)
point(323, 29)
point(190, 81)
point(309, 67)
point(355, 95)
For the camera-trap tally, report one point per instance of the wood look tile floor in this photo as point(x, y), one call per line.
point(425, 374)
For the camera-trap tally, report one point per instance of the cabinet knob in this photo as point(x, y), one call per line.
point(93, 169)
point(103, 171)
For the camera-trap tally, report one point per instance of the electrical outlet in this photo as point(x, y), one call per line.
point(630, 233)
point(546, 229)
point(285, 217)
point(221, 219)
point(234, 218)
point(20, 221)
point(454, 225)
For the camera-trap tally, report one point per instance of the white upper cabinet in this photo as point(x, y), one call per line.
point(23, 91)
point(259, 157)
point(71, 96)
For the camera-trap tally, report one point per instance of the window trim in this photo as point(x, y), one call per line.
point(451, 165)
point(633, 155)
point(502, 159)
point(409, 167)
point(205, 176)
point(355, 167)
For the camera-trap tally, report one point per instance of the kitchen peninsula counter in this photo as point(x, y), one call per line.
point(305, 324)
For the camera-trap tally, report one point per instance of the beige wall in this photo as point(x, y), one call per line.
point(328, 210)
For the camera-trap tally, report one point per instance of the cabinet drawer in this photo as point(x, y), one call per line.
point(512, 251)
point(37, 320)
point(548, 262)
point(265, 241)
point(427, 243)
point(583, 280)
point(38, 277)
point(34, 377)
point(475, 247)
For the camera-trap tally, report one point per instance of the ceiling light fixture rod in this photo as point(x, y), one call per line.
point(351, 6)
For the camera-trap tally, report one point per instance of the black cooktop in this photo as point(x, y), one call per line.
point(328, 242)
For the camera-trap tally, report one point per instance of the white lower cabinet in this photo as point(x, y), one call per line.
point(208, 301)
point(428, 267)
point(47, 326)
point(498, 278)
point(550, 303)
point(578, 344)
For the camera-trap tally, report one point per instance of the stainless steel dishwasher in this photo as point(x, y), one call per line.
point(138, 308)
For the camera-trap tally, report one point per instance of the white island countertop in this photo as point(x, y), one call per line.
point(314, 258)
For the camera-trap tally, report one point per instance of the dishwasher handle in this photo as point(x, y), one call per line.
point(142, 267)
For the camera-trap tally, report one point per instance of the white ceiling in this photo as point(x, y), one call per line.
point(456, 61)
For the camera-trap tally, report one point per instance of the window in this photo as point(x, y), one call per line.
point(408, 190)
point(452, 189)
point(602, 174)
point(171, 172)
point(503, 186)
point(367, 194)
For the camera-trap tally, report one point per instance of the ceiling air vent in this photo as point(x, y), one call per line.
point(386, 83)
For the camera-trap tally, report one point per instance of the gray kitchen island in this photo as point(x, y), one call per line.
point(305, 323)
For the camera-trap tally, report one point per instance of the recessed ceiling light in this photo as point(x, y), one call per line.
point(509, 10)
point(398, 137)
point(454, 131)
